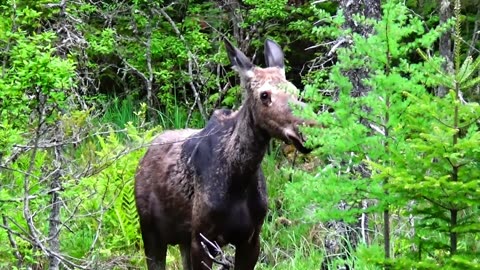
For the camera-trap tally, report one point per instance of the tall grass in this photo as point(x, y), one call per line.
point(177, 118)
point(118, 112)
point(121, 111)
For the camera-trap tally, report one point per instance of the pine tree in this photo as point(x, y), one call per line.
point(374, 129)
point(438, 169)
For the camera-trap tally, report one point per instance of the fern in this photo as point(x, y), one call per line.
point(126, 214)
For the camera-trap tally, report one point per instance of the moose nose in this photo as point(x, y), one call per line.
point(301, 104)
point(297, 103)
point(303, 121)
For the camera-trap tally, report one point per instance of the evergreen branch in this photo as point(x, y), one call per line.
point(472, 82)
point(441, 122)
point(435, 202)
point(472, 47)
point(470, 123)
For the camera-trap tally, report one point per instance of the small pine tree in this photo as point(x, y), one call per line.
point(437, 169)
point(374, 129)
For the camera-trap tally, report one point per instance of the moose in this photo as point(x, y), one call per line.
point(208, 182)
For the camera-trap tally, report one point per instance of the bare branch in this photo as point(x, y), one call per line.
point(338, 44)
point(13, 244)
point(207, 244)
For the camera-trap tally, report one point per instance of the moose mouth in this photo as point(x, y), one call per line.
point(294, 137)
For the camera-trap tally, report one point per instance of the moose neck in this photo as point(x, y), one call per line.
point(247, 144)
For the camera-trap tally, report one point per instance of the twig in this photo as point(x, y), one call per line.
point(335, 47)
point(475, 33)
point(13, 244)
point(224, 262)
point(222, 93)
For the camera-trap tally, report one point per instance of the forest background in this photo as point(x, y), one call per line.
point(393, 183)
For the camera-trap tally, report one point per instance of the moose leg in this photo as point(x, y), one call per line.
point(155, 250)
point(185, 251)
point(246, 254)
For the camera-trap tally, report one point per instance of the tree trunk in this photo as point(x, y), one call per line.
point(445, 44)
point(368, 8)
point(149, 77)
point(54, 219)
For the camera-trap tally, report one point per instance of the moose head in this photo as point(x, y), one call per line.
point(270, 98)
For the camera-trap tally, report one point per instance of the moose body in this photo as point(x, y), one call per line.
point(209, 181)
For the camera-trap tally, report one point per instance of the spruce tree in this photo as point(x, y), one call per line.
point(438, 170)
point(367, 141)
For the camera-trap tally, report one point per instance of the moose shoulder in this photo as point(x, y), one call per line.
point(209, 181)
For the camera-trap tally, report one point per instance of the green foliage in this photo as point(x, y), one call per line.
point(112, 191)
point(406, 137)
point(102, 42)
point(266, 10)
point(147, 43)
point(438, 168)
point(392, 77)
point(287, 242)
point(34, 75)
point(100, 211)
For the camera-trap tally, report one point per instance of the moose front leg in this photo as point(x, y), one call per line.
point(246, 254)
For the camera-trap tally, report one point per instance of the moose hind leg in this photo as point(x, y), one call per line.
point(185, 252)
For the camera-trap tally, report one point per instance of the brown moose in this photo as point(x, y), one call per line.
point(209, 181)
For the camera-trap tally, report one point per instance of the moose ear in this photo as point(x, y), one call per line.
point(238, 60)
point(273, 54)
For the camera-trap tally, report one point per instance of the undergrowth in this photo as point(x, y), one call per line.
point(120, 111)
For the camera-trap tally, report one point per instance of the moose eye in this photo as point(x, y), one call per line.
point(265, 96)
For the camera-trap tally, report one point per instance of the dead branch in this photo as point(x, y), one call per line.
point(207, 245)
point(13, 244)
point(338, 44)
